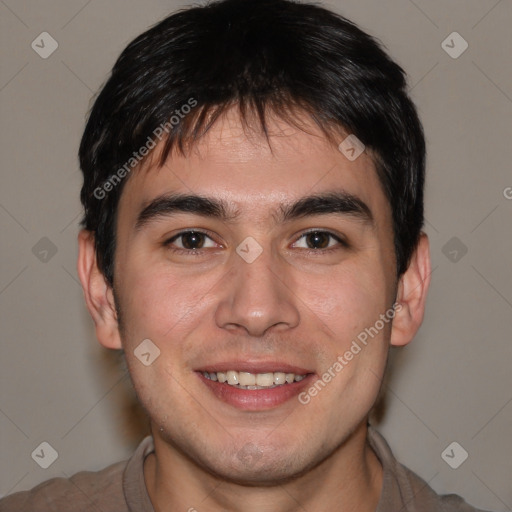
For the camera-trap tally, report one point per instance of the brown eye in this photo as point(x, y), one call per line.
point(190, 241)
point(317, 239)
point(320, 241)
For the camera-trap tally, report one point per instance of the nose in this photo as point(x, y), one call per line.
point(258, 296)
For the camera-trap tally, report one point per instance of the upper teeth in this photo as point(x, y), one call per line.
point(253, 380)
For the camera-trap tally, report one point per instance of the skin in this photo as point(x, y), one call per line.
point(288, 305)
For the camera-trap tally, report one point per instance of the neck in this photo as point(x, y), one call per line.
point(349, 480)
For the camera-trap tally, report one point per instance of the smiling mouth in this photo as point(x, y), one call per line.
point(253, 381)
point(255, 387)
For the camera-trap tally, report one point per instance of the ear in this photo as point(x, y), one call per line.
point(412, 295)
point(98, 294)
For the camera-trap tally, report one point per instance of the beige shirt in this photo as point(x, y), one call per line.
point(121, 488)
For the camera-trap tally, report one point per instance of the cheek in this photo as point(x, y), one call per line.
point(350, 304)
point(163, 305)
point(346, 301)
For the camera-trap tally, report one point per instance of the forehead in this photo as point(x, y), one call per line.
point(256, 175)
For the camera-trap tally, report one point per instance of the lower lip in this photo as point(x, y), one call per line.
point(255, 399)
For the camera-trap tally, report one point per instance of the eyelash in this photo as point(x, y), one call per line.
point(197, 252)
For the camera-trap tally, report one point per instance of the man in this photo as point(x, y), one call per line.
point(253, 194)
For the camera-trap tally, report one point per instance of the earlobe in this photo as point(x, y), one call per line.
point(97, 293)
point(412, 294)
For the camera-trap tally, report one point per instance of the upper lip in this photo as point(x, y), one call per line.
point(254, 367)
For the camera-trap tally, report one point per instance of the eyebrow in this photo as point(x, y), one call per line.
point(339, 202)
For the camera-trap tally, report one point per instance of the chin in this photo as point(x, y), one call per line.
point(250, 467)
point(266, 474)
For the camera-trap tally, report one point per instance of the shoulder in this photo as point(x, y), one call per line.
point(117, 488)
point(424, 498)
point(84, 491)
point(404, 490)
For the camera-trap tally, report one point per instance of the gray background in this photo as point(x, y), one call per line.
point(453, 383)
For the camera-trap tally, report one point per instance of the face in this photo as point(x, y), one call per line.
point(264, 294)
